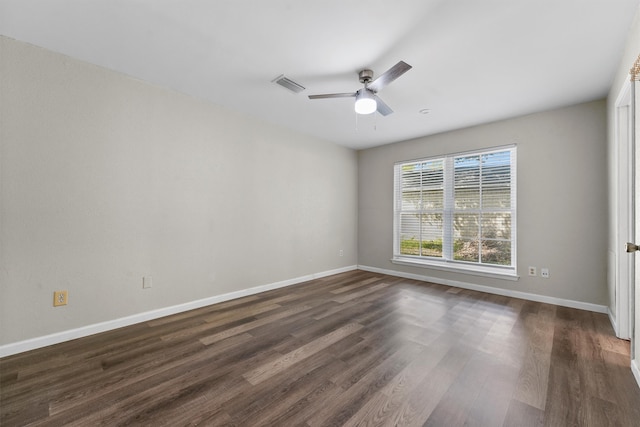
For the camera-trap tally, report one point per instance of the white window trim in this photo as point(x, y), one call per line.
point(485, 270)
point(496, 272)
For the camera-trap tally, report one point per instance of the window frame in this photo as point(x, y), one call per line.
point(447, 261)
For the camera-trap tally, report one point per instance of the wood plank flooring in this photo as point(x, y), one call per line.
point(354, 349)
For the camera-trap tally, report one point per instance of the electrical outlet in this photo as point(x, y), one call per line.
point(532, 271)
point(340, 252)
point(544, 273)
point(60, 298)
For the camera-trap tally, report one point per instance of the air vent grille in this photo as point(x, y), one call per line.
point(287, 83)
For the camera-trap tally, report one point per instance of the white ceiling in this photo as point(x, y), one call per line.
point(473, 61)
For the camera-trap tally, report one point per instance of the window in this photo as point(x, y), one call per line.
point(457, 212)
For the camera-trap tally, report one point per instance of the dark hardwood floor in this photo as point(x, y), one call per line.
point(354, 349)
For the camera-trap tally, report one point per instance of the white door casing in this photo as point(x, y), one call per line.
point(635, 291)
point(625, 218)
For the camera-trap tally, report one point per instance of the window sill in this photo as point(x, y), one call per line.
point(504, 273)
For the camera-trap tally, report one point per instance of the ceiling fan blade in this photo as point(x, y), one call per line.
point(388, 76)
point(383, 108)
point(333, 95)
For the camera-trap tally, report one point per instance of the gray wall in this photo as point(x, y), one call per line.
point(105, 179)
point(562, 199)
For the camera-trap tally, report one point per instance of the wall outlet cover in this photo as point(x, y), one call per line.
point(60, 298)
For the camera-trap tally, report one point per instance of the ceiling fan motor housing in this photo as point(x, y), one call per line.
point(365, 76)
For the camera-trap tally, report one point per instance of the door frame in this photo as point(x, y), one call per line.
point(635, 291)
point(625, 212)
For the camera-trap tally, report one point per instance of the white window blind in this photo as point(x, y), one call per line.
point(457, 210)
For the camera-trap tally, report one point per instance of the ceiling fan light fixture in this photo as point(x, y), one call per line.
point(365, 102)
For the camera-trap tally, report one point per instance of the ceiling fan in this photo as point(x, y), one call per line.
point(367, 100)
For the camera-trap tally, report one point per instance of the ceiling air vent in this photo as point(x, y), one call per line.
point(288, 84)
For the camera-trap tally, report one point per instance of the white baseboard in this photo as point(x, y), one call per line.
point(39, 342)
point(491, 290)
point(612, 320)
point(635, 370)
